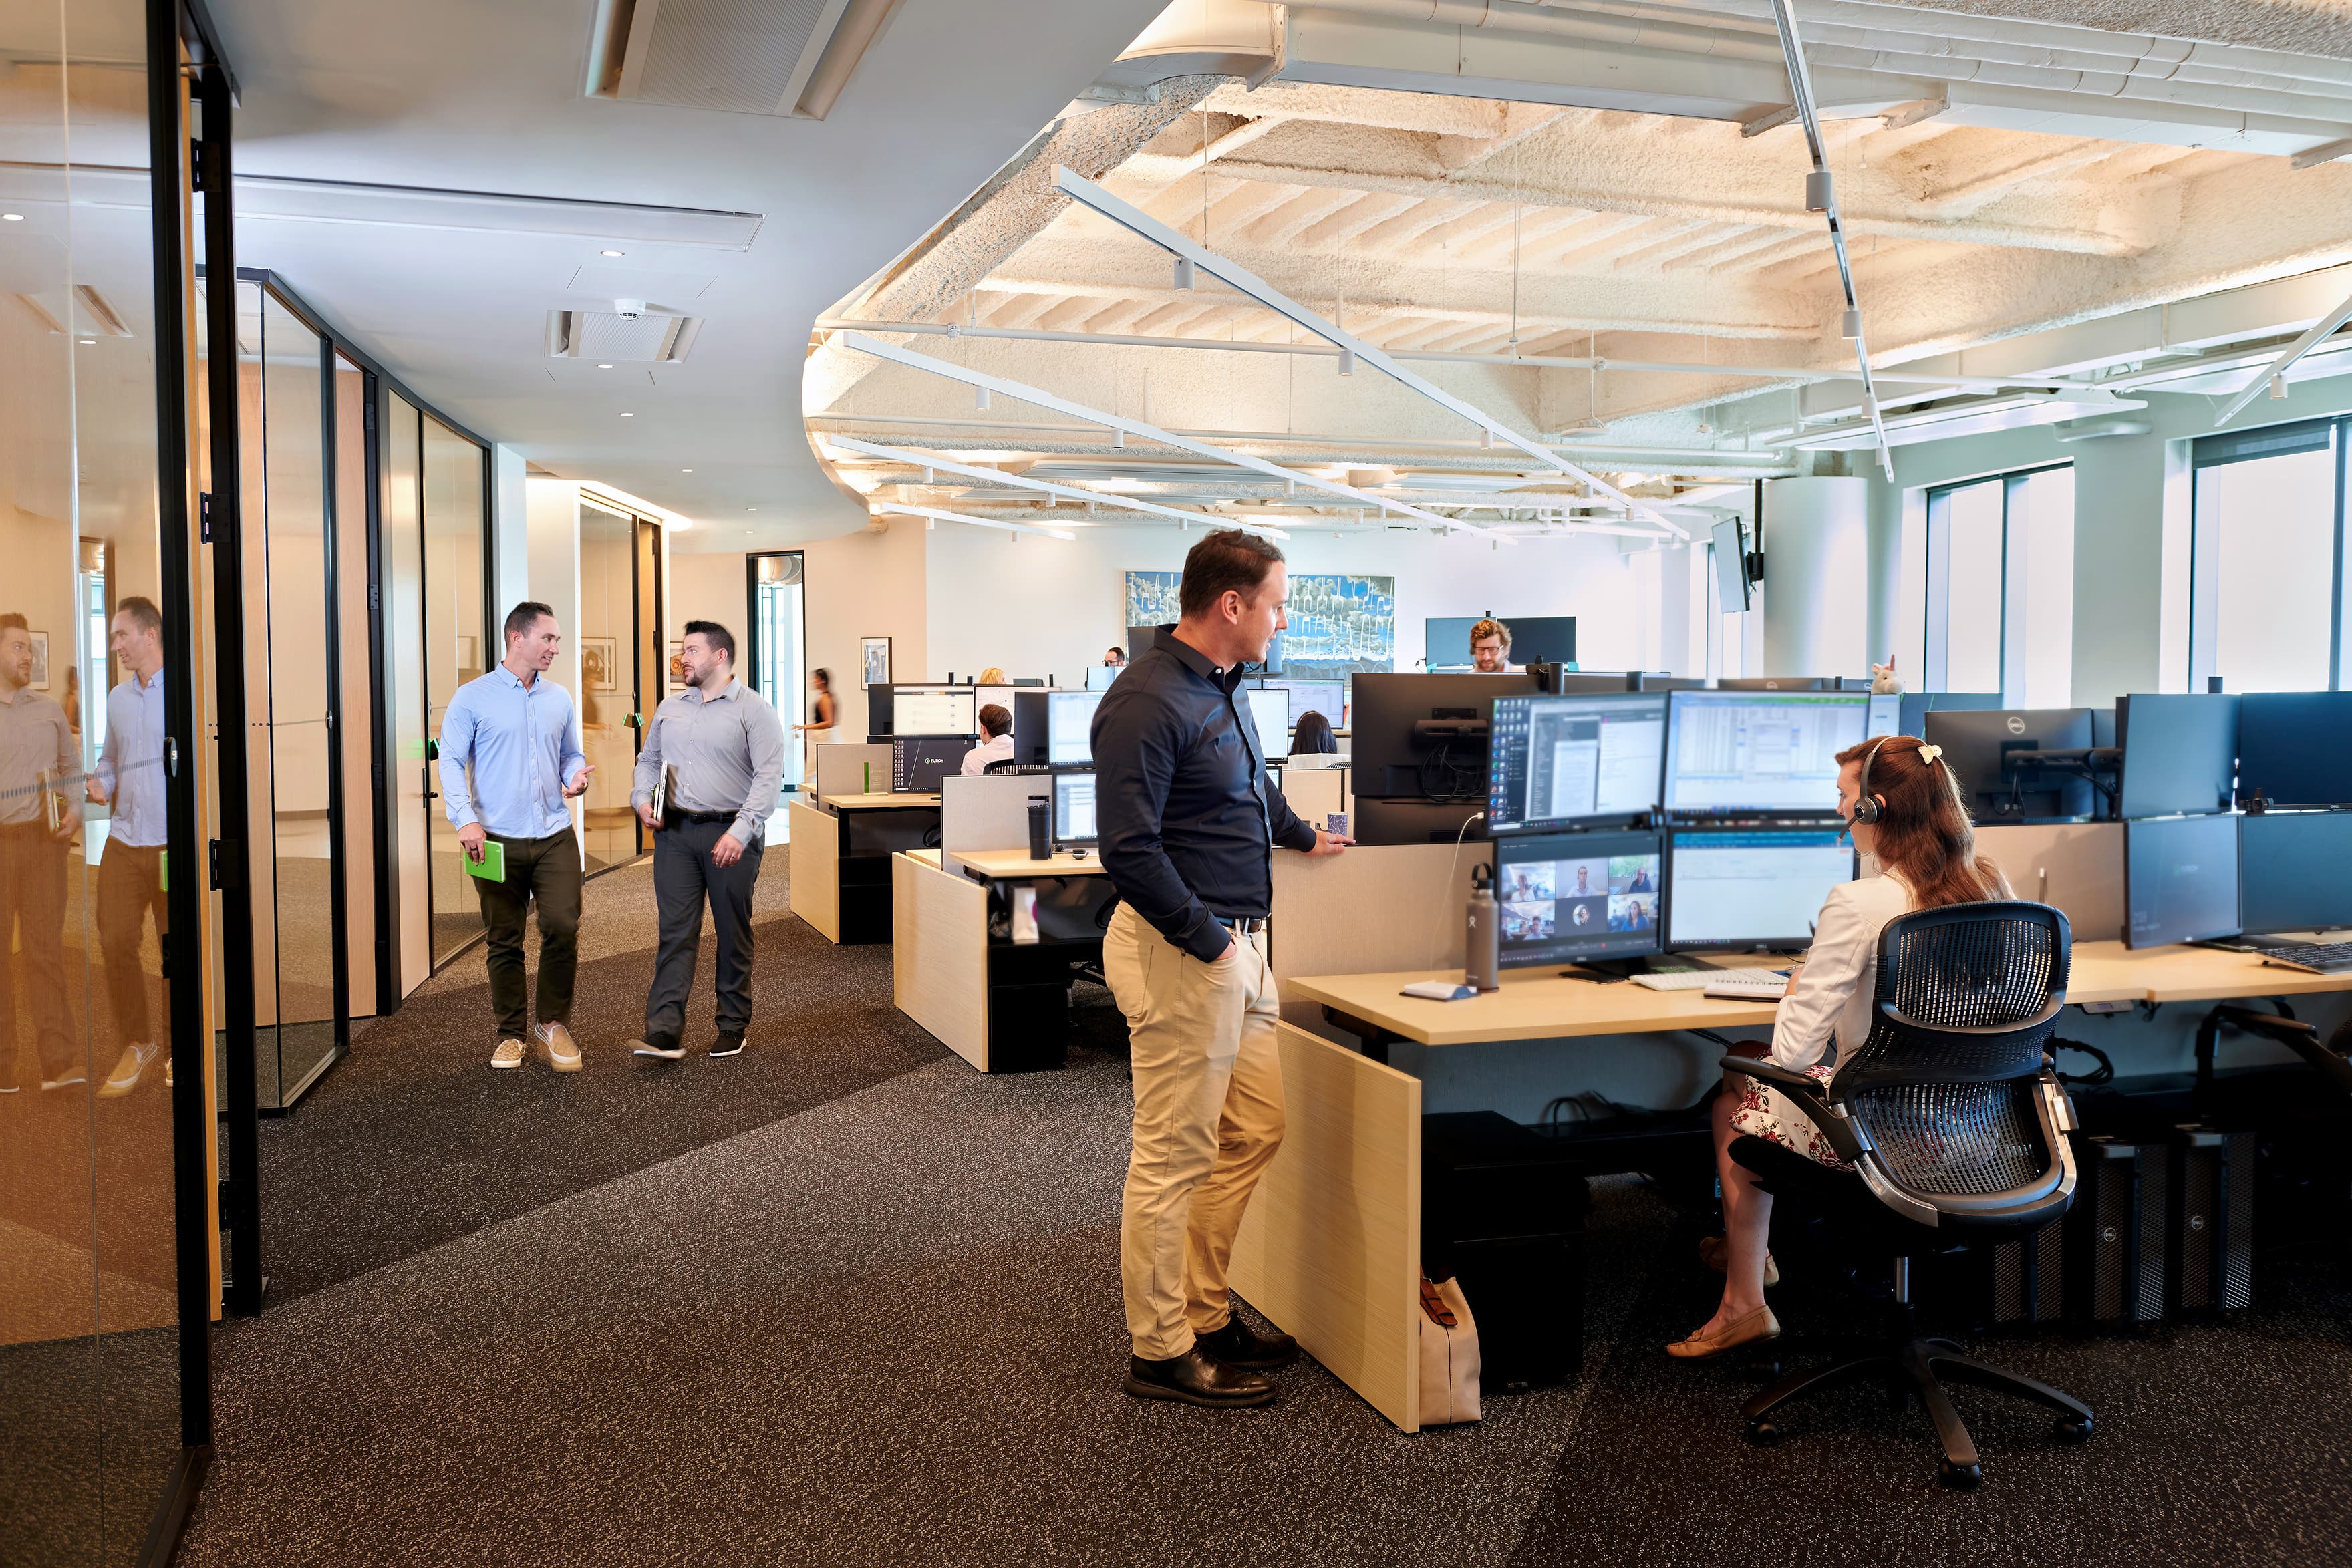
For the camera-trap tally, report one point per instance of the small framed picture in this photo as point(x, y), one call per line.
point(874, 657)
point(469, 656)
point(596, 671)
point(40, 660)
point(678, 666)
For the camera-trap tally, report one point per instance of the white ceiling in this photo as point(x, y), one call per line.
point(485, 97)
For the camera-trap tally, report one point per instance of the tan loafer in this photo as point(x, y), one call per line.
point(556, 1047)
point(132, 1067)
point(1760, 1324)
point(1715, 1253)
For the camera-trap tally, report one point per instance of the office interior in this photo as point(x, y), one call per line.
point(1986, 382)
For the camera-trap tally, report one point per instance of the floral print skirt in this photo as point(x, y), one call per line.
point(1765, 1112)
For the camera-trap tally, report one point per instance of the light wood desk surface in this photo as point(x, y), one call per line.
point(1539, 1004)
point(879, 801)
point(1016, 864)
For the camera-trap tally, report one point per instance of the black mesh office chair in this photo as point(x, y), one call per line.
point(1955, 1121)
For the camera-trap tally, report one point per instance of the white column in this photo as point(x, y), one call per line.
point(1816, 576)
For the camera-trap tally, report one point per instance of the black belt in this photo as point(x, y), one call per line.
point(1241, 924)
point(708, 816)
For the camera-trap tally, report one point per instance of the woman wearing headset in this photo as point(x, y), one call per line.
point(1911, 826)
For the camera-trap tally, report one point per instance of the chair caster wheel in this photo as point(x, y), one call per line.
point(1959, 1477)
point(2067, 1429)
point(1763, 1433)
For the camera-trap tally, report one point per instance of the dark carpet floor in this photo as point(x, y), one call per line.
point(860, 1306)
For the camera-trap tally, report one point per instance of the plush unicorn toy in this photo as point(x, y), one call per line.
point(1882, 681)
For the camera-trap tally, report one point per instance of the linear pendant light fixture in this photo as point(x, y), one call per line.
point(1353, 350)
point(1022, 482)
point(961, 517)
point(1043, 399)
point(1821, 196)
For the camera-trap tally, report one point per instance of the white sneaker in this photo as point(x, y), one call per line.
point(128, 1068)
point(556, 1047)
point(508, 1054)
point(67, 1080)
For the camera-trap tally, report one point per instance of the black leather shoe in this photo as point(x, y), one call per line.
point(1235, 1345)
point(728, 1043)
point(665, 1046)
point(1193, 1378)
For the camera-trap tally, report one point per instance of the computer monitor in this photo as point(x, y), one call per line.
point(2181, 752)
point(1425, 736)
point(1568, 897)
point(1100, 676)
point(1535, 639)
point(1558, 762)
point(1270, 711)
point(2180, 879)
point(918, 761)
point(1377, 820)
point(2295, 747)
point(1730, 566)
point(1759, 752)
point(1976, 741)
point(1915, 706)
point(1329, 699)
point(1074, 808)
point(1778, 684)
point(1752, 888)
point(2291, 871)
point(1069, 727)
point(935, 712)
point(1885, 716)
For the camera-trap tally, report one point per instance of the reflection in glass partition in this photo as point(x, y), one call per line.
point(455, 639)
point(603, 674)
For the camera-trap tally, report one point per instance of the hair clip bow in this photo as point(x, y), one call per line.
point(1931, 754)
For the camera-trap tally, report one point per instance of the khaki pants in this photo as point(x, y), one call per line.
point(1208, 1117)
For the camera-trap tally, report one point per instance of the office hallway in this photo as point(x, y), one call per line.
point(842, 1300)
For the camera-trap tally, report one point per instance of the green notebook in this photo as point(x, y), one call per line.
point(492, 866)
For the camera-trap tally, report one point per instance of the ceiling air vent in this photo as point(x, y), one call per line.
point(748, 56)
point(646, 338)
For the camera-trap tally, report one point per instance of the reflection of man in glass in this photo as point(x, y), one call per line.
point(38, 757)
point(130, 778)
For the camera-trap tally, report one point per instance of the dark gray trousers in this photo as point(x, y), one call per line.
point(683, 877)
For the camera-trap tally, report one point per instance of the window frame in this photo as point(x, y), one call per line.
point(2223, 449)
point(1934, 581)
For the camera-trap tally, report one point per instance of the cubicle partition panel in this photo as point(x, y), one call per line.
point(815, 848)
point(1372, 911)
point(853, 767)
point(2077, 866)
point(939, 957)
point(988, 810)
point(1314, 794)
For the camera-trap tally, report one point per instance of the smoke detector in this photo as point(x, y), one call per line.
point(629, 310)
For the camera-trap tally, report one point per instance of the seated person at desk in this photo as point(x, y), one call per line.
point(1921, 854)
point(996, 724)
point(1490, 648)
point(1313, 738)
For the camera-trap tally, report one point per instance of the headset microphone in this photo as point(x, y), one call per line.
point(1867, 807)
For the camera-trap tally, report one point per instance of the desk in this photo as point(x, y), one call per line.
point(1003, 1006)
point(1330, 1247)
point(841, 851)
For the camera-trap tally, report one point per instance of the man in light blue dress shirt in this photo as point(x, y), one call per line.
point(519, 735)
point(129, 779)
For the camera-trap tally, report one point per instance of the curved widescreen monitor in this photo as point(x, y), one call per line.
point(1771, 754)
point(1569, 897)
point(1558, 762)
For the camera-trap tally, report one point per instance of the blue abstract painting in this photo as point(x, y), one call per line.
point(1340, 625)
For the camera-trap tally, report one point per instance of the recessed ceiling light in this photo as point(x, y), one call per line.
point(686, 470)
point(751, 508)
point(13, 217)
point(604, 367)
point(750, 531)
point(627, 415)
point(612, 253)
point(90, 342)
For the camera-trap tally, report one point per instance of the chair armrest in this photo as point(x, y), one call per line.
point(1808, 1095)
point(2271, 1024)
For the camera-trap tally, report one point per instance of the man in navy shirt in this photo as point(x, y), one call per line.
point(520, 735)
point(1188, 821)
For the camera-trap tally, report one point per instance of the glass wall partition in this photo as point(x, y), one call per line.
point(778, 651)
point(457, 600)
point(106, 1281)
point(413, 794)
point(608, 653)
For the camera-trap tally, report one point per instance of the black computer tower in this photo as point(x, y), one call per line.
point(1503, 1213)
point(2208, 1255)
point(2026, 1281)
point(2114, 1235)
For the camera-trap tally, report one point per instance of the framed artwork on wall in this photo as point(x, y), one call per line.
point(678, 666)
point(596, 672)
point(1341, 623)
point(40, 660)
point(874, 659)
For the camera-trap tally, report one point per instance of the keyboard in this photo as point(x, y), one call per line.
point(1746, 990)
point(2316, 957)
point(1700, 979)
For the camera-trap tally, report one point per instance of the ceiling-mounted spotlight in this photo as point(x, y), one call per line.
point(980, 397)
point(1184, 275)
point(1850, 325)
point(1347, 362)
point(1119, 438)
point(1485, 439)
point(2278, 386)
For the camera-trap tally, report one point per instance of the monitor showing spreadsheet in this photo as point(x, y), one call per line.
point(1743, 888)
point(1574, 761)
point(1069, 728)
point(1771, 753)
point(1074, 808)
point(935, 712)
point(1329, 699)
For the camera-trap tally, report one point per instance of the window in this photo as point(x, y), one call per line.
point(2267, 588)
point(2000, 588)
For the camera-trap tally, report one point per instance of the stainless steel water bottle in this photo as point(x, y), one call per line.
point(1481, 950)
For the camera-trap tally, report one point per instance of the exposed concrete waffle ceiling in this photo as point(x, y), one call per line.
point(2038, 209)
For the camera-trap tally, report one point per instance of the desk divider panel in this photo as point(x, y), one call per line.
point(988, 810)
point(1374, 910)
point(2084, 863)
point(841, 768)
point(939, 957)
point(1330, 1249)
point(816, 854)
point(1313, 792)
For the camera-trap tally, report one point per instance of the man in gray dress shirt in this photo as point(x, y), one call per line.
point(129, 778)
point(39, 760)
point(716, 748)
